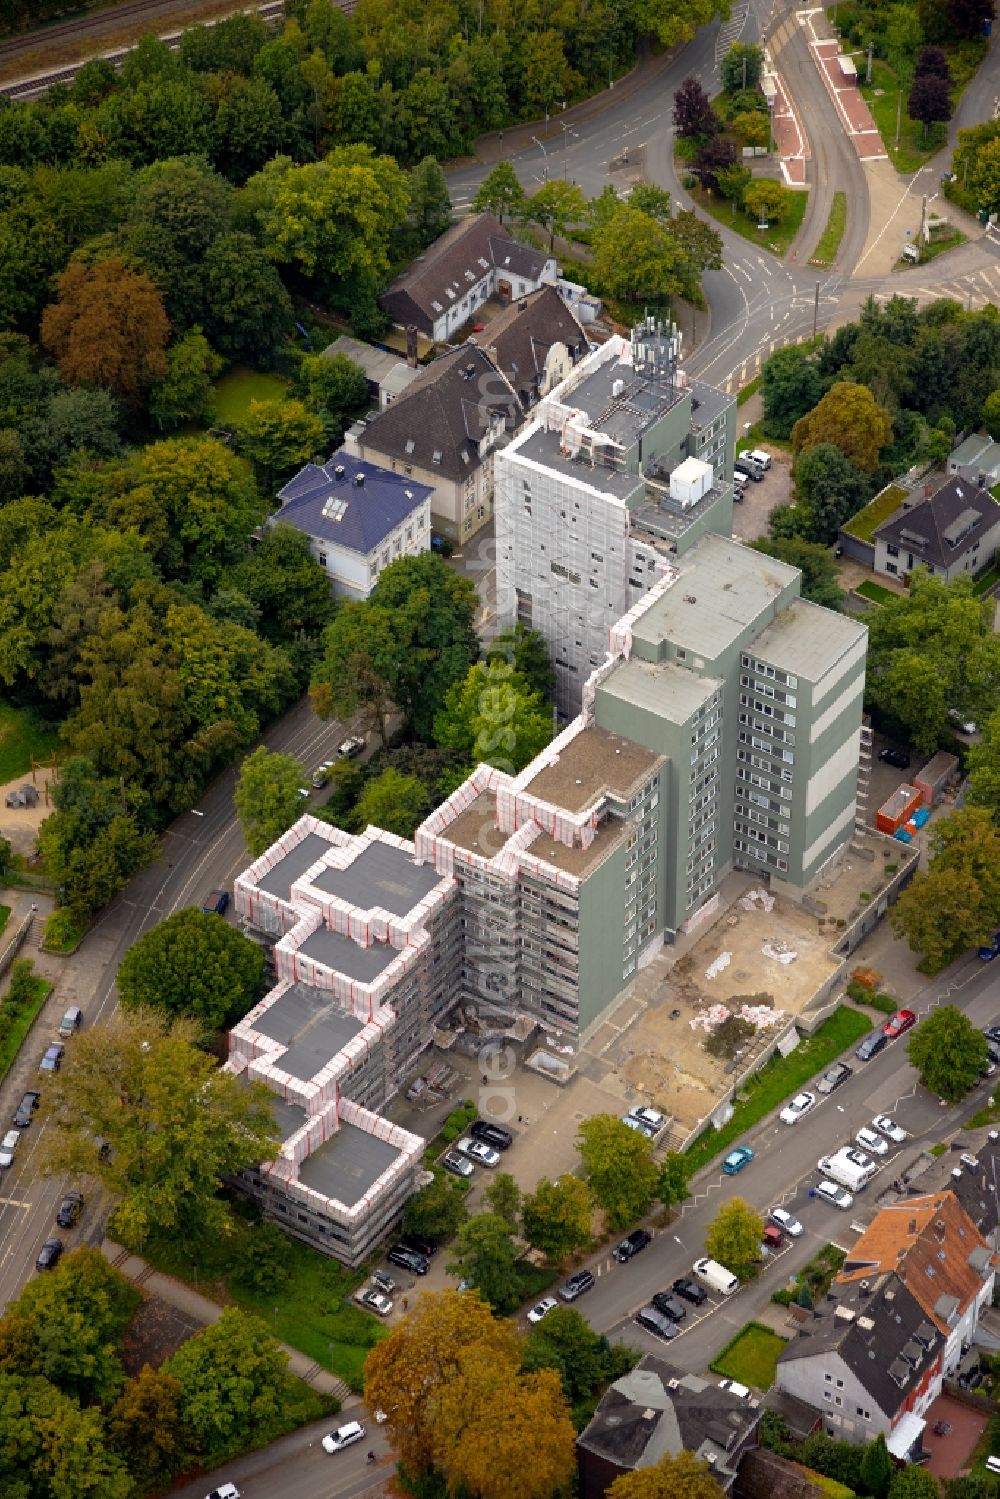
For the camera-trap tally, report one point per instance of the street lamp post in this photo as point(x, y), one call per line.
point(567, 131)
point(545, 154)
point(899, 109)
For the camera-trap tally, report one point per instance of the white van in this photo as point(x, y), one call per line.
point(716, 1276)
point(849, 1167)
point(993, 1465)
point(758, 456)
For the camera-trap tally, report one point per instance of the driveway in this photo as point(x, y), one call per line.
point(751, 516)
point(950, 1453)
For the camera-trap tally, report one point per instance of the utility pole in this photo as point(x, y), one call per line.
point(868, 75)
point(815, 311)
point(922, 236)
point(899, 109)
point(744, 71)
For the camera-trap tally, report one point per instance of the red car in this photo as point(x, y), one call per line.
point(900, 1022)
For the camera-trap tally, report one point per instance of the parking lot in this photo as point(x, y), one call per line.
point(750, 517)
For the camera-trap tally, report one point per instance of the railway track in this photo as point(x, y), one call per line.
point(30, 88)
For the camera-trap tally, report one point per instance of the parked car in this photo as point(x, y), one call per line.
point(736, 1160)
point(69, 1209)
point(740, 482)
point(492, 1134)
point(26, 1108)
point(458, 1165)
point(419, 1245)
point(783, 1218)
point(872, 1140)
point(630, 1247)
point(351, 748)
point(898, 759)
point(575, 1286)
point(321, 774)
point(52, 1060)
point(375, 1302)
point(830, 1192)
point(227, 1491)
point(760, 456)
point(48, 1255)
point(478, 1150)
point(70, 1023)
point(215, 903)
point(690, 1290)
point(383, 1282)
point(344, 1436)
point(669, 1306)
point(800, 1104)
point(832, 1079)
point(407, 1259)
point(651, 1118)
point(966, 725)
point(8, 1147)
point(746, 465)
point(735, 1388)
point(772, 1237)
point(657, 1322)
point(871, 1045)
point(899, 1023)
point(639, 1126)
point(542, 1308)
point(991, 949)
point(992, 1033)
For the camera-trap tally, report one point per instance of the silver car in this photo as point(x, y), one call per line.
point(830, 1192)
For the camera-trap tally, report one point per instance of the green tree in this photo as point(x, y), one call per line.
point(332, 386)
point(682, 1477)
point(983, 764)
point(193, 964)
point(233, 1382)
point(754, 129)
point(394, 802)
point(701, 243)
point(503, 1195)
point(267, 797)
point(903, 35)
point(185, 392)
point(501, 193)
point(94, 841)
point(732, 182)
point(830, 488)
point(278, 437)
point(555, 206)
point(672, 1186)
point(493, 716)
point(818, 569)
point(358, 667)
point(768, 201)
point(913, 1483)
point(557, 1217)
point(955, 903)
point(948, 1052)
point(286, 585)
point(485, 1255)
point(176, 1125)
point(734, 1237)
point(638, 260)
point(876, 1468)
point(565, 1342)
point(263, 1265)
point(849, 417)
point(246, 309)
point(437, 1211)
point(525, 650)
point(547, 77)
point(651, 200)
point(791, 387)
point(430, 201)
point(742, 67)
point(619, 1167)
point(837, 1460)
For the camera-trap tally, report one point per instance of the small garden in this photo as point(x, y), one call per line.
point(875, 593)
point(19, 1007)
point(232, 394)
point(836, 224)
point(811, 1283)
point(778, 1079)
point(23, 739)
point(867, 521)
point(867, 994)
point(751, 1357)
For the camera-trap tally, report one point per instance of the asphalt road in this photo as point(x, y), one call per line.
point(202, 849)
point(296, 1467)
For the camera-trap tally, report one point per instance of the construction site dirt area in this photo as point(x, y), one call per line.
point(19, 825)
point(662, 1056)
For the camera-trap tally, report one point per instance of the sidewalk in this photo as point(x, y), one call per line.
point(202, 1309)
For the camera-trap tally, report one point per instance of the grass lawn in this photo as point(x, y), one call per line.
point(829, 240)
point(817, 1275)
point(776, 238)
point(876, 593)
point(881, 96)
point(234, 391)
point(991, 576)
point(751, 1357)
point(988, 1114)
point(779, 1079)
point(4, 916)
point(21, 738)
point(12, 1042)
point(62, 934)
point(938, 246)
point(863, 525)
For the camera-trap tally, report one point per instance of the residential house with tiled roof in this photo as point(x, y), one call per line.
point(358, 518)
point(535, 341)
point(951, 532)
point(655, 1411)
point(474, 260)
point(442, 432)
point(938, 1253)
point(971, 1170)
point(870, 1361)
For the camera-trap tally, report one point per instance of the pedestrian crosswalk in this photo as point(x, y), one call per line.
point(978, 289)
point(751, 366)
point(731, 31)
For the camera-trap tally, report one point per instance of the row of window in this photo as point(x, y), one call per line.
point(757, 835)
point(760, 706)
point(764, 669)
point(766, 690)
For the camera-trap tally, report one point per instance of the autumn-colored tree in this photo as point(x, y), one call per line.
point(619, 1167)
point(682, 1477)
point(734, 1237)
point(850, 417)
point(108, 328)
point(557, 1216)
point(953, 904)
point(406, 1373)
point(146, 1427)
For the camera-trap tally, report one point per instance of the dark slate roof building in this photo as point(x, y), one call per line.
point(359, 518)
point(656, 1412)
point(952, 531)
point(524, 338)
point(473, 260)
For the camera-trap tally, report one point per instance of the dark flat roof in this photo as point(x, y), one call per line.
point(279, 880)
point(381, 876)
point(312, 1025)
point(289, 1117)
point(344, 955)
point(347, 1165)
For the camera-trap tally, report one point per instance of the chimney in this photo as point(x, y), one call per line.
point(411, 345)
point(359, 480)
